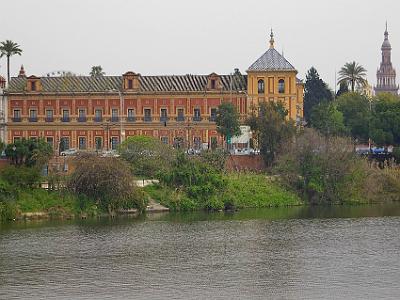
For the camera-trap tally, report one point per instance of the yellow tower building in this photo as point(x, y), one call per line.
point(273, 78)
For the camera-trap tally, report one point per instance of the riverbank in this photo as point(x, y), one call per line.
point(240, 191)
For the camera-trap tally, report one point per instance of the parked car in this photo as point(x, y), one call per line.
point(69, 152)
point(110, 153)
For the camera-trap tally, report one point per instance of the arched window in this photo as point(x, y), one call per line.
point(281, 86)
point(261, 86)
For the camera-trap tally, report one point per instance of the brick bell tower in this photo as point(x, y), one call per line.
point(386, 74)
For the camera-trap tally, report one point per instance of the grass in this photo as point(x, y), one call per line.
point(241, 191)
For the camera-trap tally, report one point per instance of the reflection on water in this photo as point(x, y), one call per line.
point(287, 253)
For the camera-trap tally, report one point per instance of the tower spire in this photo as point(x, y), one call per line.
point(271, 41)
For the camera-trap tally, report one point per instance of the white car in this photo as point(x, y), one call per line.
point(110, 153)
point(69, 152)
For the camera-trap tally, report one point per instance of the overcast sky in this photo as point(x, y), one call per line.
point(157, 37)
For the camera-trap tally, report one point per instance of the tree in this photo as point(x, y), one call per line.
point(343, 89)
point(8, 49)
point(272, 129)
point(322, 169)
point(2, 147)
point(351, 74)
point(29, 152)
point(199, 180)
point(316, 91)
point(385, 120)
point(356, 110)
point(147, 155)
point(326, 118)
point(97, 71)
point(106, 180)
point(227, 120)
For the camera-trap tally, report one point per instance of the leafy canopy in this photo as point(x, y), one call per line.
point(315, 92)
point(147, 155)
point(271, 128)
point(29, 152)
point(326, 118)
point(352, 74)
point(227, 120)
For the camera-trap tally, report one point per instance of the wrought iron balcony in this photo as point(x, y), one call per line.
point(32, 119)
point(147, 119)
point(131, 119)
point(65, 119)
point(164, 119)
point(114, 119)
point(16, 119)
point(212, 118)
point(49, 119)
point(82, 119)
point(98, 119)
point(180, 119)
point(197, 119)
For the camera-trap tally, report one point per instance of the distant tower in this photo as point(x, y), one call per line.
point(386, 75)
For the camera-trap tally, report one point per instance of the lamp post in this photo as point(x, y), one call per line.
point(107, 126)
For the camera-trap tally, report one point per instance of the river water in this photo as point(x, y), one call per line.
point(290, 253)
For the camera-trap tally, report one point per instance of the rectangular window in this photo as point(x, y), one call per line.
point(213, 84)
point(164, 139)
point(197, 143)
point(114, 143)
point(114, 115)
point(82, 143)
point(213, 114)
point(17, 115)
point(147, 115)
point(131, 115)
point(98, 115)
point(81, 115)
point(98, 141)
point(33, 86)
point(65, 115)
point(64, 143)
point(180, 115)
point(130, 84)
point(163, 115)
point(32, 115)
point(50, 141)
point(49, 115)
point(196, 115)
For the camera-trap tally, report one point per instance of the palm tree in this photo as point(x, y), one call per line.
point(97, 71)
point(8, 49)
point(351, 74)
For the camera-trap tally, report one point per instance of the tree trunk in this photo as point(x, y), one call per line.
point(8, 69)
point(352, 85)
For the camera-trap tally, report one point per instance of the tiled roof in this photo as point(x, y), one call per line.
point(271, 60)
point(169, 83)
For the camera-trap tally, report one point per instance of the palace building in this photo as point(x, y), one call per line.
point(92, 113)
point(386, 74)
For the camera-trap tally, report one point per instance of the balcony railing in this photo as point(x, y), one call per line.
point(114, 119)
point(147, 119)
point(98, 119)
point(131, 119)
point(212, 118)
point(180, 119)
point(16, 119)
point(197, 119)
point(65, 119)
point(164, 119)
point(82, 119)
point(49, 119)
point(32, 119)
